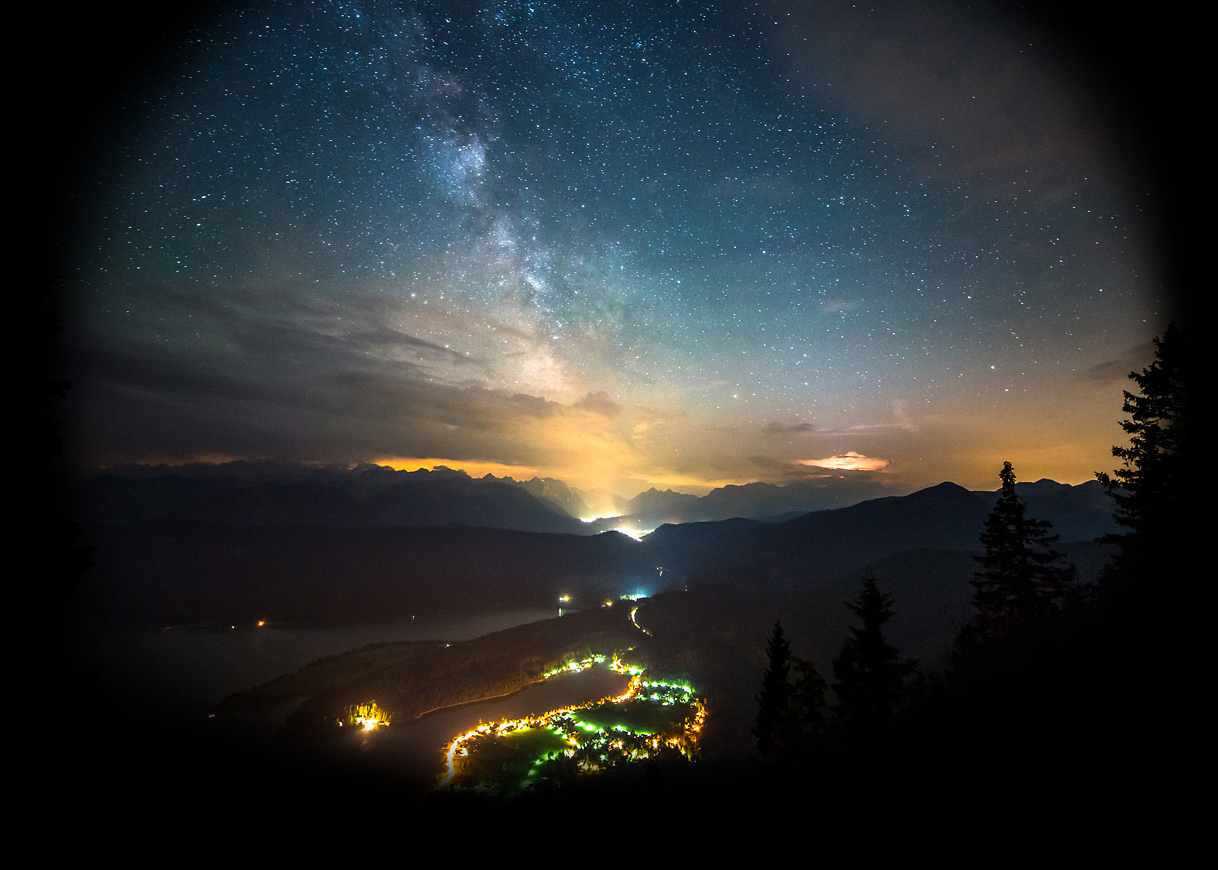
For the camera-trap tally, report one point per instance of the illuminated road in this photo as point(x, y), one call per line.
point(592, 747)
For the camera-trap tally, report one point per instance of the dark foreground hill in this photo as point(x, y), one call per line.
point(727, 583)
point(823, 546)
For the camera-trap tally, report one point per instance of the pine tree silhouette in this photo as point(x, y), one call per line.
point(1140, 593)
point(1020, 590)
point(774, 701)
point(868, 674)
point(1157, 468)
point(791, 724)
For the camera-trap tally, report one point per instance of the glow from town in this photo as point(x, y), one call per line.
point(589, 746)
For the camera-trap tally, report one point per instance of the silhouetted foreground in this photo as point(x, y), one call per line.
point(1070, 704)
point(1063, 707)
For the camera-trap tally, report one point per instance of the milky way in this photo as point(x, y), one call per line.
point(627, 244)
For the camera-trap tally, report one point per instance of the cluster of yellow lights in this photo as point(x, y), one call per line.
point(564, 723)
point(367, 716)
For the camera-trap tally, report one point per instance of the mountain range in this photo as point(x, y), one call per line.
point(280, 494)
point(290, 544)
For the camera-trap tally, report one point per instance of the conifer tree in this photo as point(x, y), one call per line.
point(790, 712)
point(774, 701)
point(1157, 464)
point(1022, 583)
point(1022, 580)
point(1159, 502)
point(868, 675)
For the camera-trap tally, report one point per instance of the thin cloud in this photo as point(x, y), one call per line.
point(848, 461)
point(988, 93)
point(599, 403)
point(1118, 370)
point(788, 428)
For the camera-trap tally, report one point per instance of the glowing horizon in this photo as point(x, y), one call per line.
point(758, 247)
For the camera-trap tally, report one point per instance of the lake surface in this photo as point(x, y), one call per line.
point(185, 671)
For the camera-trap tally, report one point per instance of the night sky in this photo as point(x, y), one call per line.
point(627, 244)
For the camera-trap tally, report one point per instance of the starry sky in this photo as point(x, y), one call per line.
point(626, 244)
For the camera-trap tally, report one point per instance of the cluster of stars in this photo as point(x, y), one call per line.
point(676, 203)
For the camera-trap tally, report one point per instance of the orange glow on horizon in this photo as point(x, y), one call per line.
point(472, 467)
point(688, 483)
point(637, 483)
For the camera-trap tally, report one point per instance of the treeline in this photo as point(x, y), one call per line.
point(1051, 685)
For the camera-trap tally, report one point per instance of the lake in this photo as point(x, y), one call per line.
point(184, 671)
point(169, 679)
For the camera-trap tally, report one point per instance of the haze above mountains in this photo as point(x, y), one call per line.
point(293, 544)
point(283, 493)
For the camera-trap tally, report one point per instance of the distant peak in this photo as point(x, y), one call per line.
point(944, 487)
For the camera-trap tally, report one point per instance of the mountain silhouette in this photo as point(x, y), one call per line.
point(372, 544)
point(363, 496)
